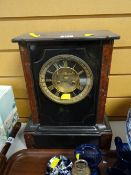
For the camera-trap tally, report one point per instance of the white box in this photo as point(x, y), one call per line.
point(8, 113)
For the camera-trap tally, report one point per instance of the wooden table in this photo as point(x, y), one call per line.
point(34, 161)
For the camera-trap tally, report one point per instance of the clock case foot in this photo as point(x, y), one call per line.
point(40, 136)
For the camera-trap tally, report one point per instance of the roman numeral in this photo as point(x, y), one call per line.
point(41, 79)
point(48, 80)
point(74, 93)
point(51, 87)
point(49, 72)
point(57, 93)
point(81, 72)
point(56, 66)
point(74, 66)
point(65, 63)
point(80, 88)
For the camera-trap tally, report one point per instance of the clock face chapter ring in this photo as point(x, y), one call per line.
point(65, 79)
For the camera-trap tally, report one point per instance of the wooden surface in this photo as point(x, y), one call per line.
point(3, 162)
point(32, 162)
point(59, 8)
point(117, 106)
point(67, 15)
point(23, 107)
point(121, 62)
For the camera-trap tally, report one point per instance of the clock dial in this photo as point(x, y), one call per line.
point(65, 79)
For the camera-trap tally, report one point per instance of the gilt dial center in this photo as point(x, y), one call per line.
point(65, 79)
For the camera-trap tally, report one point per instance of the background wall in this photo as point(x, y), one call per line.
point(18, 17)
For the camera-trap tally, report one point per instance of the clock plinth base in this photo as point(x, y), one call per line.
point(39, 136)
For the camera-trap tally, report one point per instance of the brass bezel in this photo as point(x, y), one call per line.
point(55, 98)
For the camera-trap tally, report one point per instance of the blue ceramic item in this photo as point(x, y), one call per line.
point(124, 155)
point(90, 153)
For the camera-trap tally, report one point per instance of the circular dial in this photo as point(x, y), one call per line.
point(65, 79)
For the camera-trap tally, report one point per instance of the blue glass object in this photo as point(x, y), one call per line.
point(123, 153)
point(90, 153)
point(123, 166)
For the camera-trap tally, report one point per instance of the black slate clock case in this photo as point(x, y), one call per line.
point(54, 125)
point(81, 113)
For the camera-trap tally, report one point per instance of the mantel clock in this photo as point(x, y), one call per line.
point(67, 78)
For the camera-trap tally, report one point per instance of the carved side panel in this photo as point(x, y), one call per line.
point(105, 70)
point(29, 81)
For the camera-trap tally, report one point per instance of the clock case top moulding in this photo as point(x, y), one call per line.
point(54, 125)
